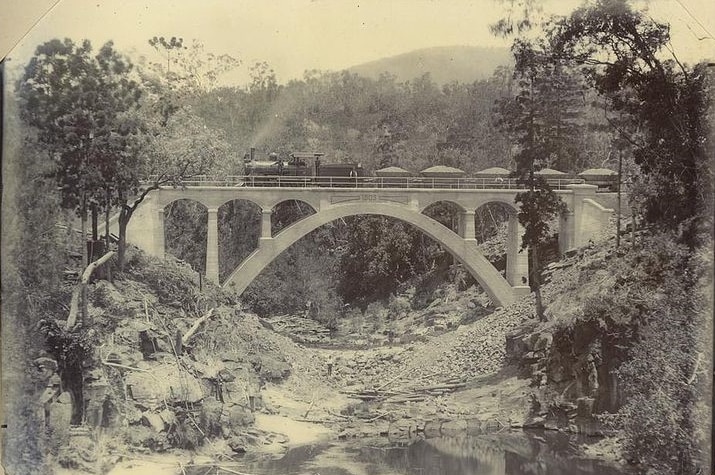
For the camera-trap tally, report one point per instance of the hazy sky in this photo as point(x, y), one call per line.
point(297, 35)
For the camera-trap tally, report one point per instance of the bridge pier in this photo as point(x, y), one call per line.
point(266, 234)
point(212, 246)
point(517, 263)
point(467, 229)
point(266, 223)
point(159, 236)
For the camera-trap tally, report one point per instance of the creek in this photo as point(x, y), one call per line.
point(511, 453)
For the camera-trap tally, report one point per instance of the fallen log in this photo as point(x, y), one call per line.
point(403, 400)
point(130, 368)
point(399, 375)
point(312, 402)
point(190, 332)
point(438, 387)
point(337, 415)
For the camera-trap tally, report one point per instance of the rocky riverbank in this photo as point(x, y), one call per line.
point(189, 376)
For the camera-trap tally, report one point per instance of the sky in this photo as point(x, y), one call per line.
point(298, 35)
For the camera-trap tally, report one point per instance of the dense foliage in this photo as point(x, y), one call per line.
point(104, 125)
point(619, 52)
point(656, 316)
point(34, 248)
point(648, 315)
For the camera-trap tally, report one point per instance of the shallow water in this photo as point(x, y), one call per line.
point(516, 453)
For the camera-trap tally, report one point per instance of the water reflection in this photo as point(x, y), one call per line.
point(502, 454)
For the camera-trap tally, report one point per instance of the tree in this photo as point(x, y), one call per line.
point(176, 144)
point(658, 108)
point(80, 105)
point(174, 151)
point(381, 253)
point(619, 52)
point(539, 206)
point(33, 249)
point(543, 119)
point(521, 15)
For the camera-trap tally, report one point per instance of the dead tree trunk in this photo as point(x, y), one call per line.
point(124, 215)
point(535, 275)
point(107, 239)
point(80, 291)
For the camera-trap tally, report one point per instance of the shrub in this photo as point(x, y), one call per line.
point(398, 307)
point(174, 282)
point(657, 297)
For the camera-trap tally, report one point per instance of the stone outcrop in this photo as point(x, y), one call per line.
point(574, 379)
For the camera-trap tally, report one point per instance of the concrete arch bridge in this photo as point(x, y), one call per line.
point(584, 219)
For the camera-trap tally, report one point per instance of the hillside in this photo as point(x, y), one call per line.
point(445, 64)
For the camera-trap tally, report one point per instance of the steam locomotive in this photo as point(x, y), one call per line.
point(300, 169)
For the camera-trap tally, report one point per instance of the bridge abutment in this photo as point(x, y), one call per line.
point(584, 219)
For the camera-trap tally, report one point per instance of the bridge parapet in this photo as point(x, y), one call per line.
point(433, 183)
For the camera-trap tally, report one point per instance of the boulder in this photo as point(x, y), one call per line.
point(153, 420)
point(238, 444)
point(240, 416)
point(584, 406)
point(453, 428)
point(234, 392)
point(271, 369)
point(543, 341)
point(124, 355)
point(226, 376)
point(164, 382)
point(433, 429)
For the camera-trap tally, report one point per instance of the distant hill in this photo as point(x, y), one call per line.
point(465, 64)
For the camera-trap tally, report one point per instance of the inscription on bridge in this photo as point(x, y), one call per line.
point(369, 197)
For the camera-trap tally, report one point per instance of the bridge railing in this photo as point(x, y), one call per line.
point(367, 182)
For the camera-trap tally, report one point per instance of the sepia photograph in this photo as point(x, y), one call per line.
point(357, 237)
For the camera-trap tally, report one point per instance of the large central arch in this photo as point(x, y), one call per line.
point(463, 250)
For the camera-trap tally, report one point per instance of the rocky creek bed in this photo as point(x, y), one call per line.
point(237, 386)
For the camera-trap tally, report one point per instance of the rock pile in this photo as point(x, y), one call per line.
point(301, 329)
point(461, 355)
